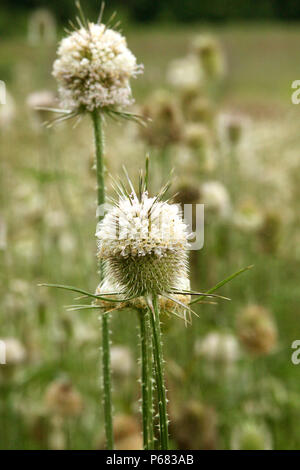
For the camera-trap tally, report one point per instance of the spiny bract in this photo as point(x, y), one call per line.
point(93, 69)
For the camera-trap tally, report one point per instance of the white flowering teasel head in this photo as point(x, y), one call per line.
point(144, 243)
point(93, 68)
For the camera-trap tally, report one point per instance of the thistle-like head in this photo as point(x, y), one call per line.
point(94, 67)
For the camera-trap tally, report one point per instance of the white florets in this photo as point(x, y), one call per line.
point(93, 69)
point(145, 244)
point(15, 352)
point(138, 228)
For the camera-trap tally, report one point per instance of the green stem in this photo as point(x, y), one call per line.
point(99, 144)
point(146, 369)
point(150, 382)
point(159, 369)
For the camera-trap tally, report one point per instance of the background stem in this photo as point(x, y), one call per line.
point(99, 144)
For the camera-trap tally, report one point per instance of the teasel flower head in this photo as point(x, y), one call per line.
point(257, 330)
point(144, 242)
point(93, 69)
point(209, 51)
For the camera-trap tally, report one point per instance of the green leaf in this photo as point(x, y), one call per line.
point(222, 283)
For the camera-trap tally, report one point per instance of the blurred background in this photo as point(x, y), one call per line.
point(217, 85)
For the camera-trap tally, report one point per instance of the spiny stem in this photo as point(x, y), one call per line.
point(145, 375)
point(99, 144)
point(159, 372)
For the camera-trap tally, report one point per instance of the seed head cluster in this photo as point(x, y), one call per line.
point(93, 69)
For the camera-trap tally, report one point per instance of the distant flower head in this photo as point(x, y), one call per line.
point(144, 242)
point(41, 98)
point(248, 217)
point(185, 73)
point(121, 361)
point(218, 347)
point(257, 330)
point(93, 69)
point(232, 127)
point(165, 120)
point(216, 198)
point(41, 27)
point(209, 51)
point(15, 352)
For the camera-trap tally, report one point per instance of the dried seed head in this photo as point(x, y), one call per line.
point(144, 243)
point(93, 69)
point(164, 120)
